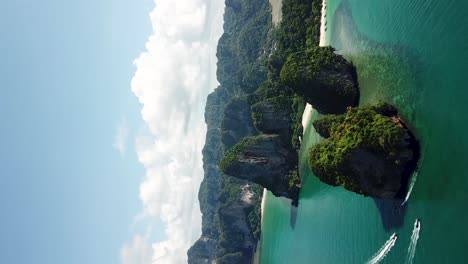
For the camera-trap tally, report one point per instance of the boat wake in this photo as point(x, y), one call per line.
point(383, 251)
point(413, 242)
point(414, 177)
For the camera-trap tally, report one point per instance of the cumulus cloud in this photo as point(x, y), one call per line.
point(173, 77)
point(137, 251)
point(120, 139)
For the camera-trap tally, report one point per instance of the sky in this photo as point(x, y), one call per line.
point(102, 128)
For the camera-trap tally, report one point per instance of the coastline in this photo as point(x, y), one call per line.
point(276, 11)
point(263, 204)
point(323, 20)
point(306, 116)
point(258, 251)
point(308, 109)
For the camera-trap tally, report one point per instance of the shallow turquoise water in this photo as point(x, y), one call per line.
point(413, 54)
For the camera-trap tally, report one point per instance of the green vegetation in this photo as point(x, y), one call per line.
point(363, 128)
point(299, 29)
point(328, 123)
point(251, 54)
point(325, 80)
point(294, 179)
point(237, 149)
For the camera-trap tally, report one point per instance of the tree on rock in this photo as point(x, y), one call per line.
point(325, 79)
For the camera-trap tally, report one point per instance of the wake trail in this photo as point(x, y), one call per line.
point(413, 242)
point(414, 177)
point(383, 251)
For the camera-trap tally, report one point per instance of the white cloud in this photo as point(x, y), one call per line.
point(172, 79)
point(137, 251)
point(121, 135)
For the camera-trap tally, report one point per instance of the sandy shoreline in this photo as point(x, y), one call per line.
point(276, 11)
point(263, 203)
point(276, 17)
point(323, 20)
point(308, 109)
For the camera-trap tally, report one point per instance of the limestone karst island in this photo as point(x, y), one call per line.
point(271, 74)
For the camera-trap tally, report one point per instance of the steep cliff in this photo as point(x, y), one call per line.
point(264, 160)
point(251, 100)
point(231, 207)
point(204, 249)
point(325, 79)
point(369, 150)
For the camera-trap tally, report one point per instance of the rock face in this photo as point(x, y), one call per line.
point(263, 160)
point(369, 150)
point(270, 120)
point(205, 248)
point(202, 252)
point(232, 238)
point(325, 79)
point(237, 122)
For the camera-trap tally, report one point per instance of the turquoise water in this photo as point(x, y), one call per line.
point(411, 53)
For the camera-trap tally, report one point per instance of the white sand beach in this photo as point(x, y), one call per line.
point(323, 33)
point(276, 11)
point(276, 18)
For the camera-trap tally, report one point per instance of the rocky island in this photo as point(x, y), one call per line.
point(368, 150)
point(325, 79)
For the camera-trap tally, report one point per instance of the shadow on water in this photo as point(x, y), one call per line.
point(387, 72)
point(293, 216)
point(391, 212)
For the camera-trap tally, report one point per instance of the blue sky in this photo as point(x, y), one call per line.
point(101, 106)
point(67, 195)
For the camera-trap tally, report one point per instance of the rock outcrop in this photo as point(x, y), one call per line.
point(237, 122)
point(228, 119)
point(263, 160)
point(271, 119)
point(325, 79)
point(369, 150)
point(202, 252)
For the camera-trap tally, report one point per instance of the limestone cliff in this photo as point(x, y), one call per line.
point(231, 207)
point(265, 160)
point(369, 150)
point(325, 79)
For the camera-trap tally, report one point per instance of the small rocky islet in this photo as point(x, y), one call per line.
point(368, 150)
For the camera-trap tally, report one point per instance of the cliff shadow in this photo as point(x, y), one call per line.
point(392, 212)
point(293, 216)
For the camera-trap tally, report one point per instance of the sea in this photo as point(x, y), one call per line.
point(413, 54)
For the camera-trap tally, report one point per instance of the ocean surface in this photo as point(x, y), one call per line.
point(414, 54)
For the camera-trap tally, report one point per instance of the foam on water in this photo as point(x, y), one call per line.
point(413, 242)
point(414, 177)
point(383, 251)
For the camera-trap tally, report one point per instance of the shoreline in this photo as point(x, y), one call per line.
point(262, 206)
point(308, 109)
point(323, 20)
point(305, 116)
